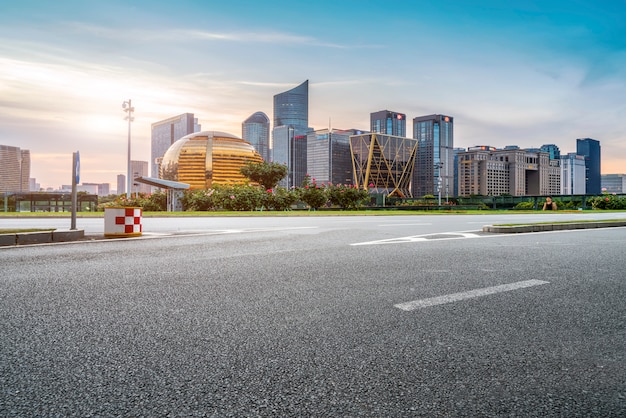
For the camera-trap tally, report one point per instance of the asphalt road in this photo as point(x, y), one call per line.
point(361, 316)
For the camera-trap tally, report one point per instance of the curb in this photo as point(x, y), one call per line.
point(550, 227)
point(24, 238)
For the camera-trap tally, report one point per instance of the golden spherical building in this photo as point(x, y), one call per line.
point(207, 158)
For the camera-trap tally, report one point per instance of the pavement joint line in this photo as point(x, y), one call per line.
point(471, 294)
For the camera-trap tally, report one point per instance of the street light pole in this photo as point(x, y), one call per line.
point(438, 166)
point(127, 106)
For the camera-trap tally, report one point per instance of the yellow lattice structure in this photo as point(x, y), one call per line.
point(383, 163)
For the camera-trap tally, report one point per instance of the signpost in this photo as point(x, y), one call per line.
point(75, 181)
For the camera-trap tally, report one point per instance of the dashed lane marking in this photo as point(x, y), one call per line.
point(455, 297)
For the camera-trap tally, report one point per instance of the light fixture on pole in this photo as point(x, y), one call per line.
point(128, 108)
point(438, 166)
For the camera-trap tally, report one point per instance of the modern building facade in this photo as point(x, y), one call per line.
point(121, 184)
point(434, 171)
point(614, 183)
point(487, 171)
point(572, 174)
point(256, 131)
point(590, 149)
point(14, 169)
point(456, 152)
point(289, 134)
point(208, 158)
point(388, 122)
point(139, 169)
point(553, 151)
point(384, 164)
point(328, 155)
point(165, 133)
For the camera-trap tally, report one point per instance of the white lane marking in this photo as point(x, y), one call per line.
point(417, 224)
point(455, 297)
point(422, 238)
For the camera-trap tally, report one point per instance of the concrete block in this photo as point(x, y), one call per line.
point(67, 235)
point(34, 237)
point(8, 239)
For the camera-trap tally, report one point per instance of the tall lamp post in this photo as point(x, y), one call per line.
point(128, 108)
point(438, 166)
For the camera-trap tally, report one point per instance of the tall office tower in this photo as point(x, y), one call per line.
point(456, 152)
point(291, 108)
point(328, 155)
point(553, 150)
point(388, 122)
point(165, 133)
point(572, 174)
point(121, 184)
point(291, 120)
point(590, 149)
point(14, 169)
point(256, 130)
point(434, 171)
point(139, 169)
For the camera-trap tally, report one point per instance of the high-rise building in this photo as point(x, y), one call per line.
point(456, 151)
point(121, 184)
point(388, 122)
point(291, 108)
point(590, 149)
point(291, 120)
point(165, 133)
point(552, 150)
point(484, 170)
point(139, 169)
point(256, 130)
point(572, 174)
point(14, 169)
point(614, 183)
point(328, 155)
point(434, 172)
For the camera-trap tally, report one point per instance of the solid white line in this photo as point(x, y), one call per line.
point(455, 297)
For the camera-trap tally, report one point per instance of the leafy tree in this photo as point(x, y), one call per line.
point(268, 175)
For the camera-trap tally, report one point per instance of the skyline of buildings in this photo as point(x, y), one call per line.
point(295, 144)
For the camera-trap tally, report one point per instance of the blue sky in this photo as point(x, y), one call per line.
point(522, 73)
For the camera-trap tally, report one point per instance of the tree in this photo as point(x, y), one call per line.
point(268, 175)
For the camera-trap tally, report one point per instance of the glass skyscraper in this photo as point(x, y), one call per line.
point(165, 133)
point(292, 107)
point(590, 149)
point(435, 155)
point(388, 122)
point(291, 120)
point(256, 131)
point(328, 155)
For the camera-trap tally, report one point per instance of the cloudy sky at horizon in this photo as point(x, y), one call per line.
point(521, 73)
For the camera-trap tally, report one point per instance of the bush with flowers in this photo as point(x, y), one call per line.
point(608, 201)
point(280, 198)
point(312, 194)
point(153, 202)
point(346, 196)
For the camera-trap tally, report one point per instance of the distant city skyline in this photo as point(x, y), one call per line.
point(523, 74)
